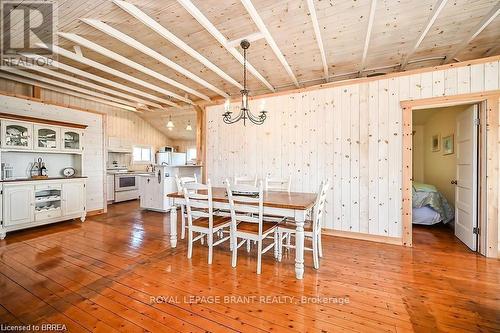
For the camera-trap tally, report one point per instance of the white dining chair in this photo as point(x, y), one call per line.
point(245, 180)
point(312, 228)
point(201, 218)
point(275, 184)
point(180, 181)
point(247, 222)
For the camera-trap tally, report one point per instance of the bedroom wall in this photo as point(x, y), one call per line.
point(349, 132)
point(418, 153)
point(439, 169)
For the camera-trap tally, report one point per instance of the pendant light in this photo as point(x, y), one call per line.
point(244, 109)
point(188, 127)
point(170, 123)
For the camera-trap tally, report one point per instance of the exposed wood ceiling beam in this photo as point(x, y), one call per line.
point(369, 29)
point(143, 48)
point(487, 19)
point(203, 20)
point(270, 40)
point(74, 80)
point(110, 31)
point(121, 59)
point(251, 38)
point(162, 31)
point(438, 7)
point(89, 62)
point(319, 40)
point(96, 78)
point(44, 81)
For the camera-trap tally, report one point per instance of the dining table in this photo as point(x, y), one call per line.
point(292, 205)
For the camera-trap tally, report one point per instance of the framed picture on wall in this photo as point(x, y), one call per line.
point(436, 142)
point(448, 145)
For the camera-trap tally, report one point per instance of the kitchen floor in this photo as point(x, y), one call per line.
point(117, 272)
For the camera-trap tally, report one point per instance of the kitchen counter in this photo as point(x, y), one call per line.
point(38, 180)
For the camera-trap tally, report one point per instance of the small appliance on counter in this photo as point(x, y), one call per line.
point(7, 171)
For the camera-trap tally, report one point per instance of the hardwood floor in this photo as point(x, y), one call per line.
point(117, 272)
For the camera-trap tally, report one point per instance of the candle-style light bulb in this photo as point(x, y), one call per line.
point(227, 105)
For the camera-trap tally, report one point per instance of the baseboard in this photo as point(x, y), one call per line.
point(95, 212)
point(362, 236)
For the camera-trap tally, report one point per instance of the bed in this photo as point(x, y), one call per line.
point(429, 205)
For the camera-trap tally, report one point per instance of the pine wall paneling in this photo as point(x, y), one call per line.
point(351, 134)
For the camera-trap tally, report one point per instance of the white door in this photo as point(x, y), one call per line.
point(466, 184)
point(73, 198)
point(18, 203)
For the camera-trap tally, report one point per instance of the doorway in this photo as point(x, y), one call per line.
point(445, 173)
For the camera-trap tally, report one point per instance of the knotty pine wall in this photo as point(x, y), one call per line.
point(350, 134)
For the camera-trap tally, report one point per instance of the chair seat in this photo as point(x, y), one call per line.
point(308, 227)
point(253, 228)
point(218, 221)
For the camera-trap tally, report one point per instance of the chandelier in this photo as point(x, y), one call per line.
point(244, 113)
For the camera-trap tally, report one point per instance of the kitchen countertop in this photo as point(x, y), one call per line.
point(38, 180)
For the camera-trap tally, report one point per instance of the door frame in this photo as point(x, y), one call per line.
point(488, 166)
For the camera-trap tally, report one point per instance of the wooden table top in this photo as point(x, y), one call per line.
point(276, 199)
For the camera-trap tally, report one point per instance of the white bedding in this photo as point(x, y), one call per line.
point(425, 216)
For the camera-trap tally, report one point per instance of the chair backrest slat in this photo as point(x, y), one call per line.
point(246, 208)
point(275, 184)
point(245, 180)
point(199, 201)
point(180, 181)
point(320, 206)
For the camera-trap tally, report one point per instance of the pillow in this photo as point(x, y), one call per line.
point(420, 187)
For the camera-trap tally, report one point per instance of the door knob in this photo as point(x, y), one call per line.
point(454, 182)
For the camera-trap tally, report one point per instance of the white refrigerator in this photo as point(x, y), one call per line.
point(171, 158)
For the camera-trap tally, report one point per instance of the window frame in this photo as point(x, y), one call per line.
point(141, 161)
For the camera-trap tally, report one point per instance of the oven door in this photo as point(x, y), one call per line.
point(125, 183)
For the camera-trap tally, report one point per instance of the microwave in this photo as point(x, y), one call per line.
point(167, 149)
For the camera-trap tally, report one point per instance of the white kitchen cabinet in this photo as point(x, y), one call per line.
point(71, 140)
point(111, 187)
point(27, 204)
point(73, 198)
point(119, 145)
point(47, 137)
point(18, 204)
point(17, 134)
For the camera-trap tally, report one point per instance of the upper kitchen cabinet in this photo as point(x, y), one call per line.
point(119, 145)
point(72, 140)
point(17, 134)
point(47, 137)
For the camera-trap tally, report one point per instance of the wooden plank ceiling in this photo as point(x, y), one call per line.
point(393, 29)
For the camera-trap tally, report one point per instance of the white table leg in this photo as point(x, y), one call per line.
point(173, 226)
point(299, 245)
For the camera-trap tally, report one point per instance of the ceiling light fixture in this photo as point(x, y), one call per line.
point(188, 127)
point(244, 110)
point(170, 124)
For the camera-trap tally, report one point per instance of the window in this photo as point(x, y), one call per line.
point(191, 154)
point(142, 155)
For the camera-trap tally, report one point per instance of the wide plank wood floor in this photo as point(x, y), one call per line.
point(117, 272)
